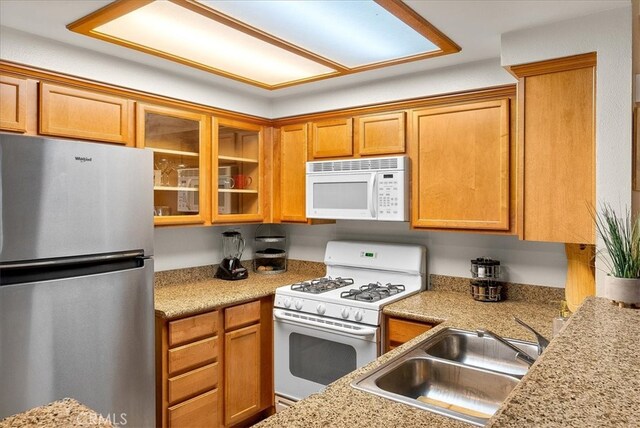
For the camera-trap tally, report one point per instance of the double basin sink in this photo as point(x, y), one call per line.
point(454, 373)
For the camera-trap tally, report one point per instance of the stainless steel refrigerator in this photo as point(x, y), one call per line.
point(76, 277)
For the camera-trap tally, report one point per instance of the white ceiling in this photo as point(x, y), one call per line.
point(475, 25)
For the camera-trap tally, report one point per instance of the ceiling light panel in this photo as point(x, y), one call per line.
point(170, 29)
point(350, 33)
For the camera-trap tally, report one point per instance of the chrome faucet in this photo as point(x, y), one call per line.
point(543, 342)
point(520, 354)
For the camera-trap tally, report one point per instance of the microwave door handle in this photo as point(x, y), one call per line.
point(284, 316)
point(374, 195)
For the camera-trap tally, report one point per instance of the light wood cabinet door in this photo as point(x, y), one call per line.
point(557, 147)
point(290, 164)
point(78, 113)
point(180, 141)
point(238, 172)
point(399, 331)
point(461, 166)
point(198, 412)
point(331, 138)
point(13, 104)
point(242, 374)
point(380, 134)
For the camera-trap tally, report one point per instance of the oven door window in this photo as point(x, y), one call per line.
point(319, 360)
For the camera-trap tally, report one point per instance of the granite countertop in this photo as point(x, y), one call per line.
point(63, 413)
point(589, 375)
point(190, 291)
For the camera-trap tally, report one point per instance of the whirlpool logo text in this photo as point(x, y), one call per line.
point(83, 159)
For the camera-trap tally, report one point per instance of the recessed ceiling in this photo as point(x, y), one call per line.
point(475, 25)
point(270, 43)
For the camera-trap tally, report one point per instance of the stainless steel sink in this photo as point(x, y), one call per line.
point(452, 373)
point(484, 352)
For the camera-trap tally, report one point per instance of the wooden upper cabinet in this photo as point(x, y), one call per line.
point(238, 171)
point(380, 134)
point(290, 163)
point(79, 113)
point(461, 166)
point(557, 147)
point(180, 142)
point(13, 104)
point(331, 138)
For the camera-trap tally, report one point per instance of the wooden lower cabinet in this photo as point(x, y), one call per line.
point(399, 331)
point(242, 373)
point(215, 369)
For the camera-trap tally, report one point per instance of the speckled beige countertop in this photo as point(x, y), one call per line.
point(63, 413)
point(190, 291)
point(588, 376)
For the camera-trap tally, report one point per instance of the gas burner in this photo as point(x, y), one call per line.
point(372, 292)
point(320, 285)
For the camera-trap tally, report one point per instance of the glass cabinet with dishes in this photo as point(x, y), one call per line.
point(177, 139)
point(237, 171)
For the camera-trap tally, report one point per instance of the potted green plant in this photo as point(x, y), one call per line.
point(621, 237)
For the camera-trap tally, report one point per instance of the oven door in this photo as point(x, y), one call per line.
point(310, 352)
point(342, 196)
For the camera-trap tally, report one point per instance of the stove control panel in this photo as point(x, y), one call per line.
point(391, 198)
point(327, 309)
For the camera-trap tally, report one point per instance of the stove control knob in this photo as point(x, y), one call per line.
point(298, 304)
point(345, 313)
point(287, 303)
point(321, 309)
point(359, 315)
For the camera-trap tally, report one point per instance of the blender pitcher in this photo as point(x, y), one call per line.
point(230, 268)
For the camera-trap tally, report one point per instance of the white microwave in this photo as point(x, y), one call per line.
point(188, 198)
point(359, 189)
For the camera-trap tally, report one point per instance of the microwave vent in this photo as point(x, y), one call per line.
point(356, 165)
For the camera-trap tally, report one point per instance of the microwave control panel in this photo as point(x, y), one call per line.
point(391, 196)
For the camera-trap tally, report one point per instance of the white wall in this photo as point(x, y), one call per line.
point(479, 74)
point(609, 34)
point(447, 253)
point(182, 247)
point(36, 51)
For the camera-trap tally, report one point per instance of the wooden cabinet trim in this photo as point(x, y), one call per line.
point(13, 106)
point(554, 65)
point(241, 315)
point(192, 355)
point(52, 125)
point(192, 328)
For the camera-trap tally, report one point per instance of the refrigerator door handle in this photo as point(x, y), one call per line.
point(96, 258)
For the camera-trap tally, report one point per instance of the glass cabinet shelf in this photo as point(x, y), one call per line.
point(174, 152)
point(232, 159)
point(176, 189)
point(237, 191)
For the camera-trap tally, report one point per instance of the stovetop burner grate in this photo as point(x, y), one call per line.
point(321, 285)
point(372, 292)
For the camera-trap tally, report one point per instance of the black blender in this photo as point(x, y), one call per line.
point(230, 268)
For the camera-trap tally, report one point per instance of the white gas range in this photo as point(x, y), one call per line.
point(327, 327)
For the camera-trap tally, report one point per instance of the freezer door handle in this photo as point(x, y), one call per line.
point(95, 258)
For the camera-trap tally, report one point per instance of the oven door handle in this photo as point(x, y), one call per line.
point(361, 331)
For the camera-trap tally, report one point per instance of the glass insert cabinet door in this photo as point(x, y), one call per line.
point(176, 138)
point(237, 171)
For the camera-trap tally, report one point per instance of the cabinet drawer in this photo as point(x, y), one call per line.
point(237, 316)
point(193, 383)
point(192, 328)
point(76, 113)
point(199, 412)
point(401, 331)
point(193, 355)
